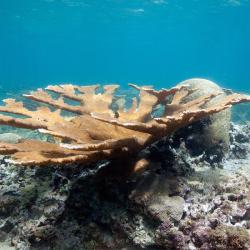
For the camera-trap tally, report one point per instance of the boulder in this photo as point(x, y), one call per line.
point(217, 132)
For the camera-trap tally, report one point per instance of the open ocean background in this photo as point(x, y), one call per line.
point(160, 42)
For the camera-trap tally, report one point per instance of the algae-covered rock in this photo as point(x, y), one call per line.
point(28, 193)
point(164, 207)
point(158, 195)
point(228, 237)
point(8, 204)
point(217, 132)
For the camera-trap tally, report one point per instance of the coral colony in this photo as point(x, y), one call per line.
point(96, 130)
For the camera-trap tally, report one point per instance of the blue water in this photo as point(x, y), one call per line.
point(142, 41)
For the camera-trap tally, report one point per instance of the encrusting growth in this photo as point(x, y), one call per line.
point(95, 130)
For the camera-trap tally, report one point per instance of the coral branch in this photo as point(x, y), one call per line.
point(44, 97)
point(161, 94)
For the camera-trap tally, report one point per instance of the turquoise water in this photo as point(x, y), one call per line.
point(158, 42)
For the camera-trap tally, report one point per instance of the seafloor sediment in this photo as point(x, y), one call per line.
point(184, 201)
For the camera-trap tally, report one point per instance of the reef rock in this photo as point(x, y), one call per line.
point(160, 197)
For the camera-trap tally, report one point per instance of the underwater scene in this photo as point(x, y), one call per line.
point(124, 125)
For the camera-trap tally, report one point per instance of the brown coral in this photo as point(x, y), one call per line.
point(94, 131)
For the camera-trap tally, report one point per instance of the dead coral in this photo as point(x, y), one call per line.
point(95, 131)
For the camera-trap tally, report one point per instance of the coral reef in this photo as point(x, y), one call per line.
point(176, 202)
point(94, 130)
point(168, 206)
